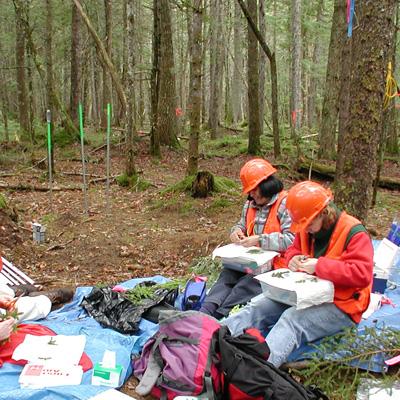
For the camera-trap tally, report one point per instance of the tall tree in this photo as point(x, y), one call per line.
point(195, 86)
point(274, 78)
point(262, 63)
point(166, 123)
point(23, 108)
point(155, 81)
point(254, 145)
point(296, 109)
point(49, 68)
point(76, 67)
point(130, 169)
point(371, 46)
point(315, 61)
point(216, 66)
point(237, 85)
point(106, 75)
point(330, 107)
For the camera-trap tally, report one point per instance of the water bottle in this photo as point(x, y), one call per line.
point(394, 233)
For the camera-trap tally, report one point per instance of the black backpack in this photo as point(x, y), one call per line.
point(247, 375)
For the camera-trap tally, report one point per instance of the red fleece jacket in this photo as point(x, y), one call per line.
point(353, 269)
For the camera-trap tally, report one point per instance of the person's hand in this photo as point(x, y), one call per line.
point(7, 302)
point(236, 236)
point(6, 328)
point(303, 264)
point(250, 241)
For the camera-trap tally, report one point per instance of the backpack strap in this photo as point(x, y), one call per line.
point(153, 370)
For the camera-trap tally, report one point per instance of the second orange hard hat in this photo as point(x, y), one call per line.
point(305, 201)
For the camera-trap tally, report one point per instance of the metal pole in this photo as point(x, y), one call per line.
point(83, 159)
point(108, 156)
point(48, 119)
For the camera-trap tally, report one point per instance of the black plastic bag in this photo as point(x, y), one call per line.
point(113, 310)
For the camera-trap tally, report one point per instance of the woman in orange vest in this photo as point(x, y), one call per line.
point(329, 244)
point(264, 222)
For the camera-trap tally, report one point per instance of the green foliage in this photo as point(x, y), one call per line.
point(220, 203)
point(228, 146)
point(182, 205)
point(134, 182)
point(3, 202)
point(337, 377)
point(206, 266)
point(221, 185)
point(48, 218)
point(145, 291)
point(62, 138)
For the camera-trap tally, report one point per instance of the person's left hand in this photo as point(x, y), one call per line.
point(250, 241)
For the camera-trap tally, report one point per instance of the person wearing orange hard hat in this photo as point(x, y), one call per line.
point(265, 223)
point(331, 245)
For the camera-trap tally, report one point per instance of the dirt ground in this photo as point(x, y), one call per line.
point(133, 234)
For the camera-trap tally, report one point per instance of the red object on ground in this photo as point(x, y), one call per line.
point(16, 338)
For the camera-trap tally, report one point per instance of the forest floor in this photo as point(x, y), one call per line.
point(138, 233)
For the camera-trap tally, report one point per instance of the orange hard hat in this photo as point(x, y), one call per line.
point(305, 201)
point(254, 172)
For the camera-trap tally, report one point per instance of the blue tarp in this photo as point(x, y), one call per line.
point(387, 316)
point(73, 320)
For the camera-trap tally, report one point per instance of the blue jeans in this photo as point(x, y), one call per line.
point(291, 327)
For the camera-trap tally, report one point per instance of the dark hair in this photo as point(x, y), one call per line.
point(270, 186)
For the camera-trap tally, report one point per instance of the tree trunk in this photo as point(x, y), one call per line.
point(195, 87)
point(237, 85)
point(392, 144)
point(166, 123)
point(330, 107)
point(274, 79)
point(262, 64)
point(5, 101)
point(296, 109)
point(371, 45)
point(254, 146)
point(130, 169)
point(155, 82)
point(76, 68)
point(106, 77)
point(314, 82)
point(344, 103)
point(106, 59)
point(49, 71)
point(215, 67)
point(19, 6)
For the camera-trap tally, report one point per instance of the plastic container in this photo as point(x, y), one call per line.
point(373, 389)
point(394, 233)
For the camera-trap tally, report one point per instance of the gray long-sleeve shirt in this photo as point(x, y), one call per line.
point(275, 241)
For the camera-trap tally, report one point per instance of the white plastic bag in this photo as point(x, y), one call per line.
point(297, 289)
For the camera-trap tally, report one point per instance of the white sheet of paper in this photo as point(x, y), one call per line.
point(235, 252)
point(112, 394)
point(59, 349)
point(36, 376)
point(384, 256)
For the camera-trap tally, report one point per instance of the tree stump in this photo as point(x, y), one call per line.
point(203, 184)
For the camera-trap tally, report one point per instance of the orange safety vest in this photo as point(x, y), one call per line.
point(272, 224)
point(352, 301)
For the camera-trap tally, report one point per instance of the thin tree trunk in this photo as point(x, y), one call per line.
point(296, 110)
point(19, 6)
point(254, 146)
point(195, 87)
point(108, 47)
point(312, 89)
point(130, 169)
point(263, 61)
point(237, 86)
point(76, 68)
point(155, 82)
point(274, 79)
point(115, 77)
